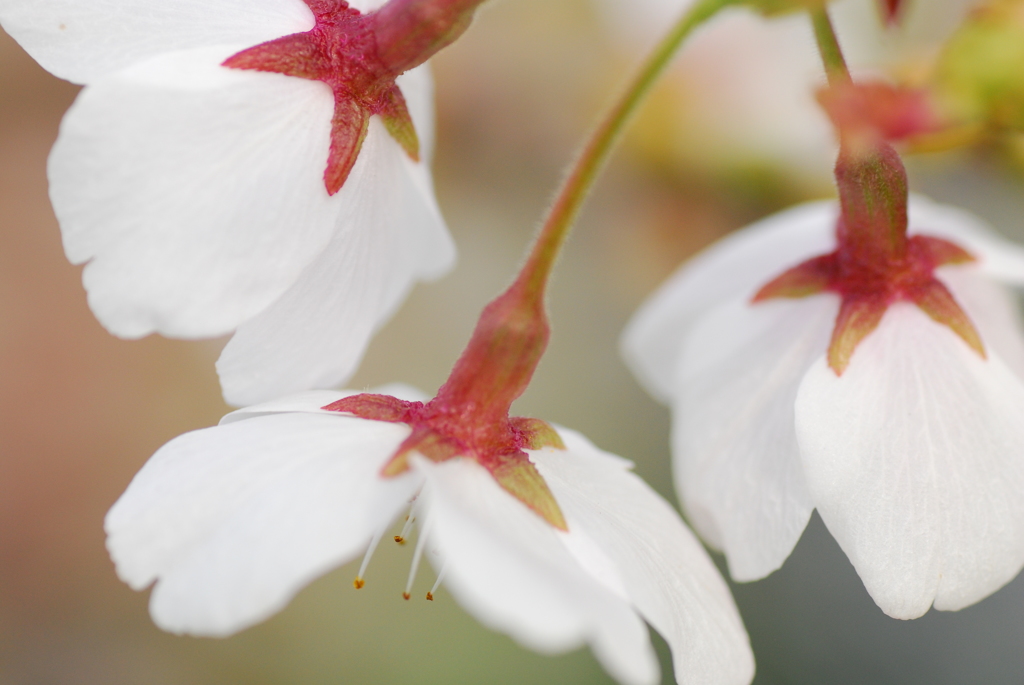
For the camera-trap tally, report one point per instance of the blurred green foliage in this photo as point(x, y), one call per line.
point(980, 75)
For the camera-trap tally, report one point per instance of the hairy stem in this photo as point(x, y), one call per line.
point(577, 185)
point(828, 47)
point(512, 333)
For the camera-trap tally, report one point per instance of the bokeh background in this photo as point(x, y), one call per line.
point(81, 411)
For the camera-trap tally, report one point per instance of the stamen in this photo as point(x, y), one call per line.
point(409, 520)
point(440, 576)
point(421, 542)
point(358, 583)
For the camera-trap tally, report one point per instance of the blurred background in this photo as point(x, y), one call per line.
point(730, 136)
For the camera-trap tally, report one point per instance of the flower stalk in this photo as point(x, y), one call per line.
point(510, 338)
point(469, 417)
point(596, 152)
point(828, 47)
point(408, 32)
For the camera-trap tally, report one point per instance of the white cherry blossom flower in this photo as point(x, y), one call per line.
point(913, 456)
point(196, 193)
point(743, 89)
point(230, 522)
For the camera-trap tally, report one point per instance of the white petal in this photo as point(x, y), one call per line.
point(389, 234)
point(84, 40)
point(308, 402)
point(736, 265)
point(665, 572)
point(913, 457)
point(923, 27)
point(232, 521)
point(365, 6)
point(742, 262)
point(508, 568)
point(313, 401)
point(197, 192)
point(998, 257)
point(736, 460)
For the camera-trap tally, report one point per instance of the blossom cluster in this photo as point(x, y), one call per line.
point(262, 169)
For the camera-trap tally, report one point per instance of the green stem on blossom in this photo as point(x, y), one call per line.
point(828, 47)
point(577, 185)
point(469, 416)
point(512, 333)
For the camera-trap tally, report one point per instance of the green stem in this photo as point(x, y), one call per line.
point(828, 47)
point(577, 185)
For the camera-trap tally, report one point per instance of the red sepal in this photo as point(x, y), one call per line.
point(935, 300)
point(809, 278)
point(856, 319)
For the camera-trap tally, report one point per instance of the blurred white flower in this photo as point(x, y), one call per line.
point(231, 521)
point(742, 91)
point(914, 456)
point(914, 39)
point(197, 194)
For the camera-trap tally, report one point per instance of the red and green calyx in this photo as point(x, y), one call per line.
point(469, 417)
point(359, 56)
point(875, 263)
